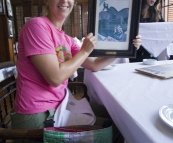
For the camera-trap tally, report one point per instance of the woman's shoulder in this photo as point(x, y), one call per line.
point(37, 20)
point(37, 23)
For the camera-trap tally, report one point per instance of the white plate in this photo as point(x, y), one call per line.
point(166, 114)
point(109, 67)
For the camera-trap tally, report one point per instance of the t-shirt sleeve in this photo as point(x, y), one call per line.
point(37, 40)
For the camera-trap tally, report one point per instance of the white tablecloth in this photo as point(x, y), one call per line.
point(156, 36)
point(165, 54)
point(133, 101)
point(170, 49)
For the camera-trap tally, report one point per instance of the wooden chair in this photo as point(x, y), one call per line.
point(73, 86)
point(7, 95)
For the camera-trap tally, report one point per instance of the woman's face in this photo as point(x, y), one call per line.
point(150, 2)
point(60, 8)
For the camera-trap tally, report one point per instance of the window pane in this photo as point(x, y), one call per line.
point(77, 21)
point(85, 19)
point(67, 26)
point(19, 17)
point(35, 11)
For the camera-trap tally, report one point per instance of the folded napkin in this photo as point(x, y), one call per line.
point(75, 74)
point(73, 112)
point(156, 36)
point(170, 49)
point(79, 42)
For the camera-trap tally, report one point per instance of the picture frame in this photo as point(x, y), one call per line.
point(10, 28)
point(26, 19)
point(2, 7)
point(115, 24)
point(9, 8)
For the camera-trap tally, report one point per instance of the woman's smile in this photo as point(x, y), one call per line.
point(63, 7)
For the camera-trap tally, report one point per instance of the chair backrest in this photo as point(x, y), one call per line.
point(7, 92)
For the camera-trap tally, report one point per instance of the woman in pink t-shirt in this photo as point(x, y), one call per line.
point(47, 57)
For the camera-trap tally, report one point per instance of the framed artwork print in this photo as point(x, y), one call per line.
point(10, 28)
point(115, 24)
point(26, 19)
point(2, 9)
point(9, 8)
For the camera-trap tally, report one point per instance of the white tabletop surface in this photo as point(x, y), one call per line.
point(133, 100)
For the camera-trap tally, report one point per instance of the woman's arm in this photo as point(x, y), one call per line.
point(96, 64)
point(53, 71)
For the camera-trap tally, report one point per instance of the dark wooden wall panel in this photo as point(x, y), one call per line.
point(4, 51)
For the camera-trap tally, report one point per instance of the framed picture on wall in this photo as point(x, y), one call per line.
point(26, 19)
point(2, 9)
point(9, 8)
point(115, 24)
point(10, 28)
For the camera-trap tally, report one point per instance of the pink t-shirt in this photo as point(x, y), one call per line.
point(34, 94)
